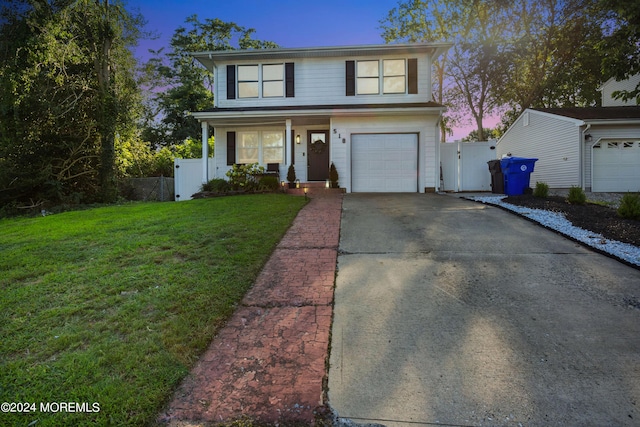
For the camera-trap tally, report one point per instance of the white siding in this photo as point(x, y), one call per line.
point(553, 140)
point(424, 126)
point(321, 81)
point(612, 86)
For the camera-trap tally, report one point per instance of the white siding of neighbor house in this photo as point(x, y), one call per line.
point(604, 133)
point(321, 81)
point(612, 86)
point(553, 140)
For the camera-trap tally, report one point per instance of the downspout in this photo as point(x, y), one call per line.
point(215, 84)
point(581, 152)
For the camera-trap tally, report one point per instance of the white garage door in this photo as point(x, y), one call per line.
point(384, 163)
point(616, 166)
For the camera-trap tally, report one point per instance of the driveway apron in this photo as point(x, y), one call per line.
point(452, 312)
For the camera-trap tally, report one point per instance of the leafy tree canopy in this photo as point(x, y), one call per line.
point(66, 89)
point(177, 84)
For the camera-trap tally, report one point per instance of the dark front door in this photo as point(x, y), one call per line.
point(318, 155)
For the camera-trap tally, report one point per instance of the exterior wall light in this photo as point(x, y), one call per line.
point(297, 139)
point(297, 183)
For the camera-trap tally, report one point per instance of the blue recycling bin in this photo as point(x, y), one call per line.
point(517, 173)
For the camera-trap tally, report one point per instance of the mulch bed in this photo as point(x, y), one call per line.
point(595, 218)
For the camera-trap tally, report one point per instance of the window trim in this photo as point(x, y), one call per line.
point(410, 87)
point(366, 78)
point(257, 82)
point(261, 81)
point(404, 76)
point(260, 137)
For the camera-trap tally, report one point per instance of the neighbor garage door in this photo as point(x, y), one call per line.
point(384, 163)
point(616, 166)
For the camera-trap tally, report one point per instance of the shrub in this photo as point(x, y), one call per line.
point(291, 174)
point(333, 176)
point(217, 185)
point(630, 206)
point(268, 183)
point(243, 177)
point(576, 196)
point(541, 190)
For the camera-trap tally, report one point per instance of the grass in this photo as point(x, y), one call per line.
point(114, 305)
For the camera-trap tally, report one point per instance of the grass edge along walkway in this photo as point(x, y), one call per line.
point(114, 305)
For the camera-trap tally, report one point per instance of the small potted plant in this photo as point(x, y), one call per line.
point(291, 176)
point(333, 176)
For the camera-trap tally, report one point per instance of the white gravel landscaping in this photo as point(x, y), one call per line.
point(556, 221)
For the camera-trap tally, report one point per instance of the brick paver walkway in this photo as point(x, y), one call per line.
point(269, 361)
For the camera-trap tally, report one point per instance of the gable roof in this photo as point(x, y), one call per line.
point(595, 113)
point(209, 58)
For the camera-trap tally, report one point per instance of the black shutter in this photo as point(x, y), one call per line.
point(351, 78)
point(289, 80)
point(293, 147)
point(412, 75)
point(231, 82)
point(231, 148)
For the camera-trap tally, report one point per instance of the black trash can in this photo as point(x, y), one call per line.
point(497, 177)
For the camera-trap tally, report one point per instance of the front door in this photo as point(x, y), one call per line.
point(318, 155)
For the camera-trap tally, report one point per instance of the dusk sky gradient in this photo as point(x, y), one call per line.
point(289, 23)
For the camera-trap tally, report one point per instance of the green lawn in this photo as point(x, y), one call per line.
point(114, 305)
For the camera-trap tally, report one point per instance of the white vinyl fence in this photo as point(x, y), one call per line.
point(187, 175)
point(464, 165)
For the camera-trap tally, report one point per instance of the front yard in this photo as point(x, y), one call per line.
point(109, 308)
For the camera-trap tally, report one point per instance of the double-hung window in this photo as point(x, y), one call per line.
point(394, 76)
point(368, 81)
point(248, 148)
point(248, 81)
point(260, 147)
point(256, 81)
point(272, 80)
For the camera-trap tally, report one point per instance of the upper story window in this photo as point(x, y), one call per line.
point(394, 76)
point(248, 77)
point(272, 80)
point(393, 72)
point(261, 81)
point(253, 78)
point(368, 82)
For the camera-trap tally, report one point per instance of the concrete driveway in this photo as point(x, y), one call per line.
point(455, 313)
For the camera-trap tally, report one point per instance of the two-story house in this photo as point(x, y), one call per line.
point(367, 109)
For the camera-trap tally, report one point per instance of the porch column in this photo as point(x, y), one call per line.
point(287, 144)
point(205, 152)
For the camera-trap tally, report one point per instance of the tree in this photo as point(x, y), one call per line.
point(177, 84)
point(468, 73)
point(488, 134)
point(508, 55)
point(67, 88)
point(551, 55)
point(620, 46)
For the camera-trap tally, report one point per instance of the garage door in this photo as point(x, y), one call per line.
point(386, 163)
point(616, 166)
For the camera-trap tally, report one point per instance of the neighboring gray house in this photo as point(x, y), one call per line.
point(368, 109)
point(597, 149)
point(612, 85)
